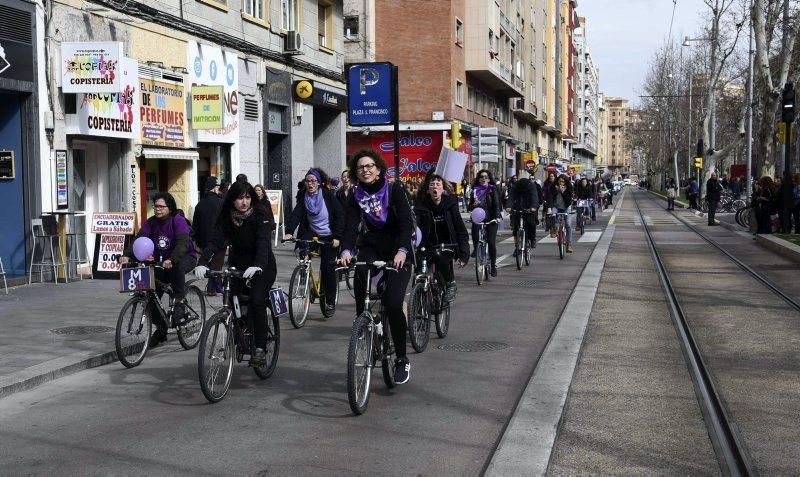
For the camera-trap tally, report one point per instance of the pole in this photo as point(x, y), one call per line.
point(691, 125)
point(750, 116)
point(480, 166)
point(396, 121)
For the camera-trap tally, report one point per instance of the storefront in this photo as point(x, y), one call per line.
point(319, 111)
point(19, 133)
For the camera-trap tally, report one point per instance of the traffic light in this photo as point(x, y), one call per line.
point(484, 141)
point(787, 110)
point(698, 162)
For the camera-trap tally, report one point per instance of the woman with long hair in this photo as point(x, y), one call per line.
point(559, 201)
point(243, 224)
point(764, 200)
point(485, 196)
point(387, 222)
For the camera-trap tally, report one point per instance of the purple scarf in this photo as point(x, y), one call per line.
point(317, 213)
point(481, 190)
point(374, 206)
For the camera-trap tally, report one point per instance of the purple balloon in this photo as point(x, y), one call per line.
point(143, 248)
point(417, 237)
point(478, 215)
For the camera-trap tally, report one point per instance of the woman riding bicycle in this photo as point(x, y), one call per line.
point(174, 250)
point(584, 191)
point(559, 201)
point(318, 213)
point(550, 182)
point(439, 219)
point(484, 195)
point(244, 225)
point(524, 197)
point(387, 223)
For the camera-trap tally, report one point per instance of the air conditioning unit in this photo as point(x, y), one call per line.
point(293, 43)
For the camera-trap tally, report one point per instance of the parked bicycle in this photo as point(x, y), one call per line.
point(370, 343)
point(304, 286)
point(522, 249)
point(428, 303)
point(229, 336)
point(482, 259)
point(135, 321)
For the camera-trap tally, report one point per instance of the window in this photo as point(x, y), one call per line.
point(351, 28)
point(289, 14)
point(479, 108)
point(221, 4)
point(254, 9)
point(459, 93)
point(472, 100)
point(459, 32)
point(324, 24)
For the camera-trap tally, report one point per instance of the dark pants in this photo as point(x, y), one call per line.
point(257, 309)
point(712, 211)
point(176, 277)
point(670, 203)
point(796, 218)
point(393, 297)
point(764, 219)
point(327, 271)
point(530, 225)
point(444, 266)
point(692, 200)
point(491, 239)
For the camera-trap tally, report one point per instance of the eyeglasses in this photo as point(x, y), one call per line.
point(365, 167)
point(311, 181)
point(159, 207)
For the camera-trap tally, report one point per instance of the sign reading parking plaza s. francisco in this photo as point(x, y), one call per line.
point(91, 67)
point(369, 89)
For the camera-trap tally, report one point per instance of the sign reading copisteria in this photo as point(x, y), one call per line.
point(91, 67)
point(207, 107)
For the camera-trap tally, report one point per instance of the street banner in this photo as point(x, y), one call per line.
point(369, 90)
point(113, 223)
point(91, 67)
point(275, 198)
point(163, 113)
point(212, 66)
point(207, 107)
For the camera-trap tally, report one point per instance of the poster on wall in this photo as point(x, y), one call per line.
point(110, 114)
point(275, 198)
point(163, 113)
point(91, 67)
point(62, 191)
point(211, 66)
point(107, 250)
point(113, 223)
point(207, 107)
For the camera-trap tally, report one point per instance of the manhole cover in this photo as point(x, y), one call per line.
point(81, 330)
point(531, 283)
point(472, 346)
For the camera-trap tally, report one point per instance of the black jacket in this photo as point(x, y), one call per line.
point(524, 195)
point(427, 212)
point(583, 192)
point(490, 203)
point(713, 190)
point(205, 216)
point(567, 195)
point(299, 216)
point(395, 234)
point(249, 244)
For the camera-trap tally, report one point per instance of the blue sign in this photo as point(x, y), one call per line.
point(369, 89)
point(277, 298)
point(136, 279)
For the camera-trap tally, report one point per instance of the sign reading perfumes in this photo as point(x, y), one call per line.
point(207, 107)
point(163, 113)
point(91, 67)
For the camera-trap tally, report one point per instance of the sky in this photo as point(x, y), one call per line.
point(623, 35)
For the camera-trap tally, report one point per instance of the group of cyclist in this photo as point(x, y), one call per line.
point(367, 218)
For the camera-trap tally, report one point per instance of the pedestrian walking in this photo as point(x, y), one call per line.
point(204, 219)
point(672, 191)
point(692, 191)
point(713, 195)
point(763, 203)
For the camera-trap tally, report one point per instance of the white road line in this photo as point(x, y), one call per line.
point(590, 237)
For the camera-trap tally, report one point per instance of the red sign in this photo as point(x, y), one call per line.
point(419, 150)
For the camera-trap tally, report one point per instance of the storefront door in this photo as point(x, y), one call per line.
point(90, 181)
point(12, 211)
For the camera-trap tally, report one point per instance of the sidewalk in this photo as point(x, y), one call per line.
point(55, 330)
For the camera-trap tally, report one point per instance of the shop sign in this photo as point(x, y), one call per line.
point(207, 107)
point(62, 190)
point(306, 92)
point(16, 61)
point(7, 165)
point(419, 150)
point(163, 113)
point(113, 223)
point(91, 67)
point(110, 114)
point(110, 247)
point(369, 88)
point(275, 198)
point(212, 66)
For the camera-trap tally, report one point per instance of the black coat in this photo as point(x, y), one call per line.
point(426, 212)
point(583, 192)
point(386, 241)
point(713, 190)
point(490, 203)
point(205, 216)
point(250, 244)
point(299, 216)
point(524, 195)
point(551, 200)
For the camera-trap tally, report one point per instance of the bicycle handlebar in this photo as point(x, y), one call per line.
point(230, 272)
point(377, 264)
point(136, 263)
point(314, 240)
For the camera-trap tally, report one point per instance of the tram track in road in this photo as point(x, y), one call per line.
point(734, 458)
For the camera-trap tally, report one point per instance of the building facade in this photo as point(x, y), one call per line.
point(619, 155)
point(587, 84)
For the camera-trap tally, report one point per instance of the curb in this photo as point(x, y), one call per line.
point(781, 247)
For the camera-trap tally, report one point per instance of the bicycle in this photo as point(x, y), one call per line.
point(522, 252)
point(482, 253)
point(370, 342)
point(304, 286)
point(584, 215)
point(229, 336)
point(561, 232)
point(427, 302)
point(135, 323)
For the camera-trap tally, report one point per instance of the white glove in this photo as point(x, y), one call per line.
point(200, 272)
point(251, 272)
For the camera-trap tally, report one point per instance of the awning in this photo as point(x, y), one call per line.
point(181, 154)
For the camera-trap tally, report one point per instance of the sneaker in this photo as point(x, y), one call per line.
point(569, 248)
point(159, 336)
point(258, 358)
point(450, 291)
point(178, 314)
point(329, 309)
point(493, 271)
point(552, 233)
point(402, 371)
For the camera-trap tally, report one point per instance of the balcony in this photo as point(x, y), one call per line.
point(524, 111)
point(488, 69)
point(508, 26)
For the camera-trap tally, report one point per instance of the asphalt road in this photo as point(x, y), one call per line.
point(153, 419)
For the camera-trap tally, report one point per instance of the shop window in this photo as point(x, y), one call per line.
point(254, 9)
point(289, 14)
point(325, 24)
point(351, 28)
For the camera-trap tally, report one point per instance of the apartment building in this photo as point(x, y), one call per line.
point(601, 159)
point(619, 155)
point(587, 110)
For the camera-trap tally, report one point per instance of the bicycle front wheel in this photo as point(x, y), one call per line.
point(485, 256)
point(443, 321)
point(272, 348)
point(300, 298)
point(479, 265)
point(360, 363)
point(561, 245)
point(520, 247)
point(195, 304)
point(387, 358)
point(132, 336)
point(419, 326)
point(215, 358)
